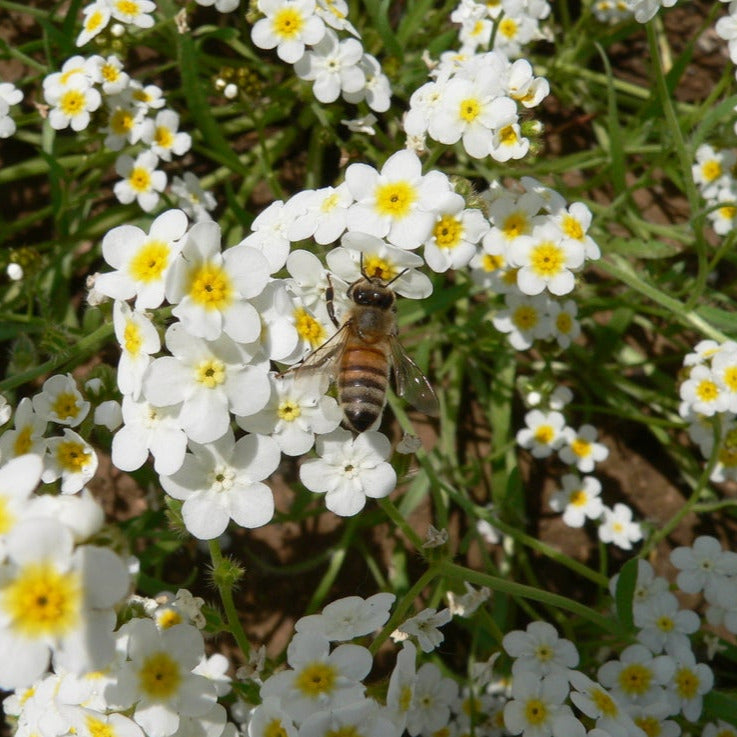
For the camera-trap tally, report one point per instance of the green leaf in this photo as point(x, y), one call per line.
point(625, 593)
point(637, 248)
point(721, 705)
point(720, 319)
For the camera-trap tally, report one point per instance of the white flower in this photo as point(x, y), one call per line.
point(72, 104)
point(19, 478)
point(9, 96)
point(578, 499)
point(711, 170)
point(663, 627)
point(163, 137)
point(158, 680)
point(324, 217)
point(294, 413)
point(466, 604)
point(525, 319)
point(332, 65)
point(432, 697)
point(376, 91)
point(108, 73)
point(425, 627)
point(543, 434)
point(319, 679)
point(135, 12)
point(142, 181)
point(210, 379)
point(537, 710)
point(349, 470)
point(142, 261)
point(704, 565)
point(27, 435)
point(149, 429)
point(270, 233)
point(398, 203)
point(192, 198)
point(138, 340)
point(96, 17)
point(546, 260)
point(288, 26)
point(454, 236)
point(221, 481)
point(617, 527)
point(400, 693)
point(702, 392)
point(70, 458)
point(211, 288)
point(541, 651)
point(55, 598)
point(125, 121)
point(581, 448)
point(270, 717)
point(565, 327)
point(596, 702)
point(638, 675)
point(60, 401)
point(690, 682)
point(223, 6)
point(348, 617)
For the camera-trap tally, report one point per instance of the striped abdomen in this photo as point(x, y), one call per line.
point(362, 380)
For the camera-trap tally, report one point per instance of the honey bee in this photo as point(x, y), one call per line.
point(363, 352)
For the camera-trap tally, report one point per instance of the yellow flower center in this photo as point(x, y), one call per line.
point(140, 179)
point(210, 286)
point(168, 618)
point(730, 378)
point(98, 728)
point(275, 729)
point(287, 23)
point(489, 262)
point(564, 323)
point(347, 730)
point(395, 199)
point(516, 223)
point(127, 7)
point(289, 410)
point(316, 679)
point(211, 373)
point(150, 261)
point(544, 434)
point(65, 406)
point(649, 725)
point(159, 676)
point(578, 498)
point(536, 713)
point(727, 212)
point(508, 27)
point(163, 137)
point(43, 602)
point(72, 103)
point(711, 170)
point(330, 202)
point(572, 228)
point(73, 456)
point(665, 623)
point(707, 390)
point(23, 441)
point(478, 28)
point(544, 653)
point(469, 109)
point(379, 268)
point(687, 683)
point(525, 317)
point(547, 259)
point(581, 447)
point(508, 136)
point(635, 679)
point(66, 76)
point(132, 339)
point(7, 518)
point(510, 278)
point(308, 327)
point(93, 21)
point(405, 698)
point(121, 122)
point(110, 73)
point(604, 702)
point(448, 232)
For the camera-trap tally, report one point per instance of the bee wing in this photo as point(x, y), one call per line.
point(322, 362)
point(411, 383)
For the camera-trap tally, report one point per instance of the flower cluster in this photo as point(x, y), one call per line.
point(159, 683)
point(713, 173)
point(124, 14)
point(88, 90)
point(709, 404)
point(335, 66)
point(58, 589)
point(475, 100)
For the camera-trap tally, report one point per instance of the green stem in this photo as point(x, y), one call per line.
point(451, 570)
point(81, 349)
point(226, 596)
point(391, 511)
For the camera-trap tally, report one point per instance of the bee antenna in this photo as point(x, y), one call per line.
point(363, 272)
point(399, 275)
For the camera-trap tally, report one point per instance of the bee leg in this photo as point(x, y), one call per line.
point(329, 300)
